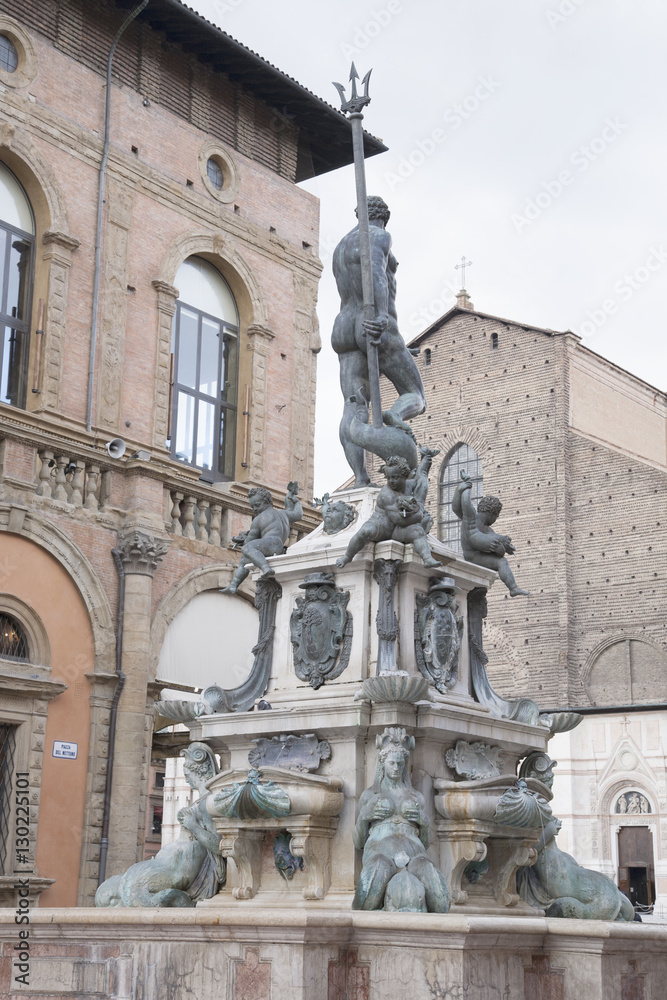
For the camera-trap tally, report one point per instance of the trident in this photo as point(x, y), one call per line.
point(354, 107)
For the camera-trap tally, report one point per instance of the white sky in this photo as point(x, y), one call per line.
point(519, 92)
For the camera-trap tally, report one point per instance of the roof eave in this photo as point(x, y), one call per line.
point(327, 130)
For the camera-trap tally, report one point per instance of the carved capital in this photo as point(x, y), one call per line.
point(259, 337)
point(166, 295)
point(59, 247)
point(140, 552)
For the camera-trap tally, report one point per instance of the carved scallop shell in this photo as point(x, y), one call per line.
point(519, 807)
point(398, 686)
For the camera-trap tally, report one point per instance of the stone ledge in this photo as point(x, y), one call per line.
point(251, 953)
point(121, 921)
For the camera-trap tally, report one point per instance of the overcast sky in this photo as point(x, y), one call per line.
point(528, 136)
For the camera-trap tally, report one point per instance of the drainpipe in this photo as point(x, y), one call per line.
point(100, 208)
point(104, 841)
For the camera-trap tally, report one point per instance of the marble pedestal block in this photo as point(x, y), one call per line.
point(314, 954)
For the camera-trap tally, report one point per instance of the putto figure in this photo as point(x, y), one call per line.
point(185, 871)
point(394, 359)
point(267, 534)
point(399, 510)
point(479, 543)
point(393, 830)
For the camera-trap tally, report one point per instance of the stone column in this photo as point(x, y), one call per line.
point(139, 553)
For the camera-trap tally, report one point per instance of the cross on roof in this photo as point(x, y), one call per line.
point(462, 267)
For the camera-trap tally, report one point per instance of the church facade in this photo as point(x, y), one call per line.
point(576, 450)
point(157, 360)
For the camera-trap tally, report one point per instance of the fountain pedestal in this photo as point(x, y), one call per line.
point(359, 703)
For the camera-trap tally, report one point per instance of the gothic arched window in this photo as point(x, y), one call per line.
point(462, 458)
point(17, 249)
point(205, 351)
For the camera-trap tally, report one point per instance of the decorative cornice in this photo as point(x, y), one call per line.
point(27, 687)
point(261, 332)
point(164, 288)
point(140, 552)
point(61, 240)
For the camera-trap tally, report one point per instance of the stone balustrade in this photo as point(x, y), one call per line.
point(78, 482)
point(82, 481)
point(194, 515)
point(72, 480)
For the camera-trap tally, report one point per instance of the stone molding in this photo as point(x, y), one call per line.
point(57, 255)
point(306, 345)
point(113, 314)
point(462, 434)
point(436, 955)
point(14, 686)
point(38, 639)
point(166, 293)
point(232, 180)
point(259, 343)
point(102, 688)
point(17, 139)
point(218, 244)
point(245, 288)
point(63, 134)
point(48, 203)
point(27, 67)
point(140, 552)
point(166, 308)
point(48, 536)
point(24, 703)
point(56, 241)
point(8, 895)
point(612, 640)
point(263, 333)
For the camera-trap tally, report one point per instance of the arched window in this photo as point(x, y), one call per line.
point(462, 458)
point(17, 250)
point(205, 353)
point(13, 640)
point(627, 671)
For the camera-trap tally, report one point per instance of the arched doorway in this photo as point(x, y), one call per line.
point(636, 865)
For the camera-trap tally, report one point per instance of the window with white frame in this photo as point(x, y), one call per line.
point(17, 253)
point(205, 357)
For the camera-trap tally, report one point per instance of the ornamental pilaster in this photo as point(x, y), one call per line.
point(259, 342)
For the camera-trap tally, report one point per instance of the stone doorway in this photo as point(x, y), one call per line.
point(635, 865)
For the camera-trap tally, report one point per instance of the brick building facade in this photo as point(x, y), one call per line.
point(576, 449)
point(203, 393)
